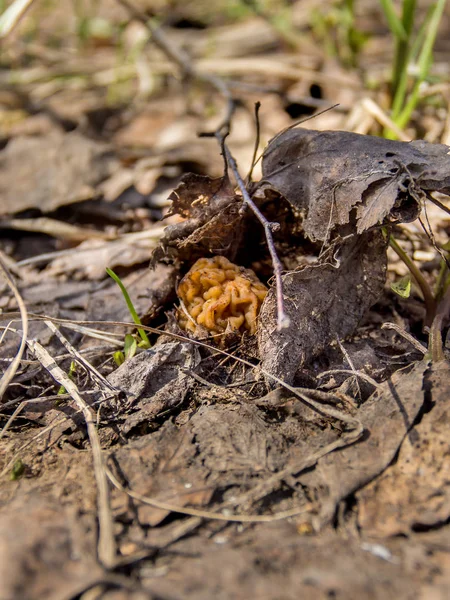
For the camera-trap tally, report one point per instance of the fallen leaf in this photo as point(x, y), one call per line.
point(46, 173)
point(153, 380)
point(338, 177)
point(212, 222)
point(414, 493)
point(388, 417)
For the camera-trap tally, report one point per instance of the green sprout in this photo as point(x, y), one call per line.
point(71, 374)
point(18, 469)
point(130, 345)
point(413, 56)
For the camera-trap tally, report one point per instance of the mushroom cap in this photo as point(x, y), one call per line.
point(220, 296)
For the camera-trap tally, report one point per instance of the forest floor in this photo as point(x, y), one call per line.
point(305, 461)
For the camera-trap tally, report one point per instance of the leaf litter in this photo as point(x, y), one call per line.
point(303, 451)
point(197, 434)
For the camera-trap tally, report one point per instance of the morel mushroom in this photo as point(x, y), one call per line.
point(220, 296)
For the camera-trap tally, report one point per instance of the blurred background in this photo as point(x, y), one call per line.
point(122, 88)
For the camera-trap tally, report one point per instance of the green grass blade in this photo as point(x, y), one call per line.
point(394, 22)
point(130, 305)
point(425, 61)
point(402, 58)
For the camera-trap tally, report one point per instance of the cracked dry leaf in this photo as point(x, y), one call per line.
point(154, 380)
point(388, 416)
point(414, 493)
point(338, 178)
point(46, 173)
point(211, 224)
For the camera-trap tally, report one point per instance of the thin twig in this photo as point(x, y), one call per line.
point(437, 203)
point(183, 61)
point(257, 140)
point(12, 369)
point(417, 345)
point(283, 319)
point(430, 235)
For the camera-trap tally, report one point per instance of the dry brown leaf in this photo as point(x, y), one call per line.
point(153, 380)
point(414, 493)
point(212, 225)
point(92, 257)
point(387, 416)
point(338, 177)
point(46, 173)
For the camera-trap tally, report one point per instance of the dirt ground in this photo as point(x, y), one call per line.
point(276, 426)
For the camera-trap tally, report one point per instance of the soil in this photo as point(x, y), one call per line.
point(304, 462)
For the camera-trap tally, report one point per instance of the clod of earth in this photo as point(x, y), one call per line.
point(220, 296)
point(324, 301)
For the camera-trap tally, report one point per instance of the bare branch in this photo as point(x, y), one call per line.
point(269, 228)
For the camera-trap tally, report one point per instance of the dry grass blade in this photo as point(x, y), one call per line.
point(106, 543)
point(86, 364)
point(417, 345)
point(112, 339)
point(55, 228)
point(378, 113)
point(11, 370)
point(206, 514)
point(12, 15)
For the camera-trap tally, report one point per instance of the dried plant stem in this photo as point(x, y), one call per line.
point(11, 370)
point(12, 15)
point(106, 543)
point(442, 314)
point(283, 319)
point(257, 141)
point(216, 516)
point(415, 343)
point(102, 381)
point(430, 303)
